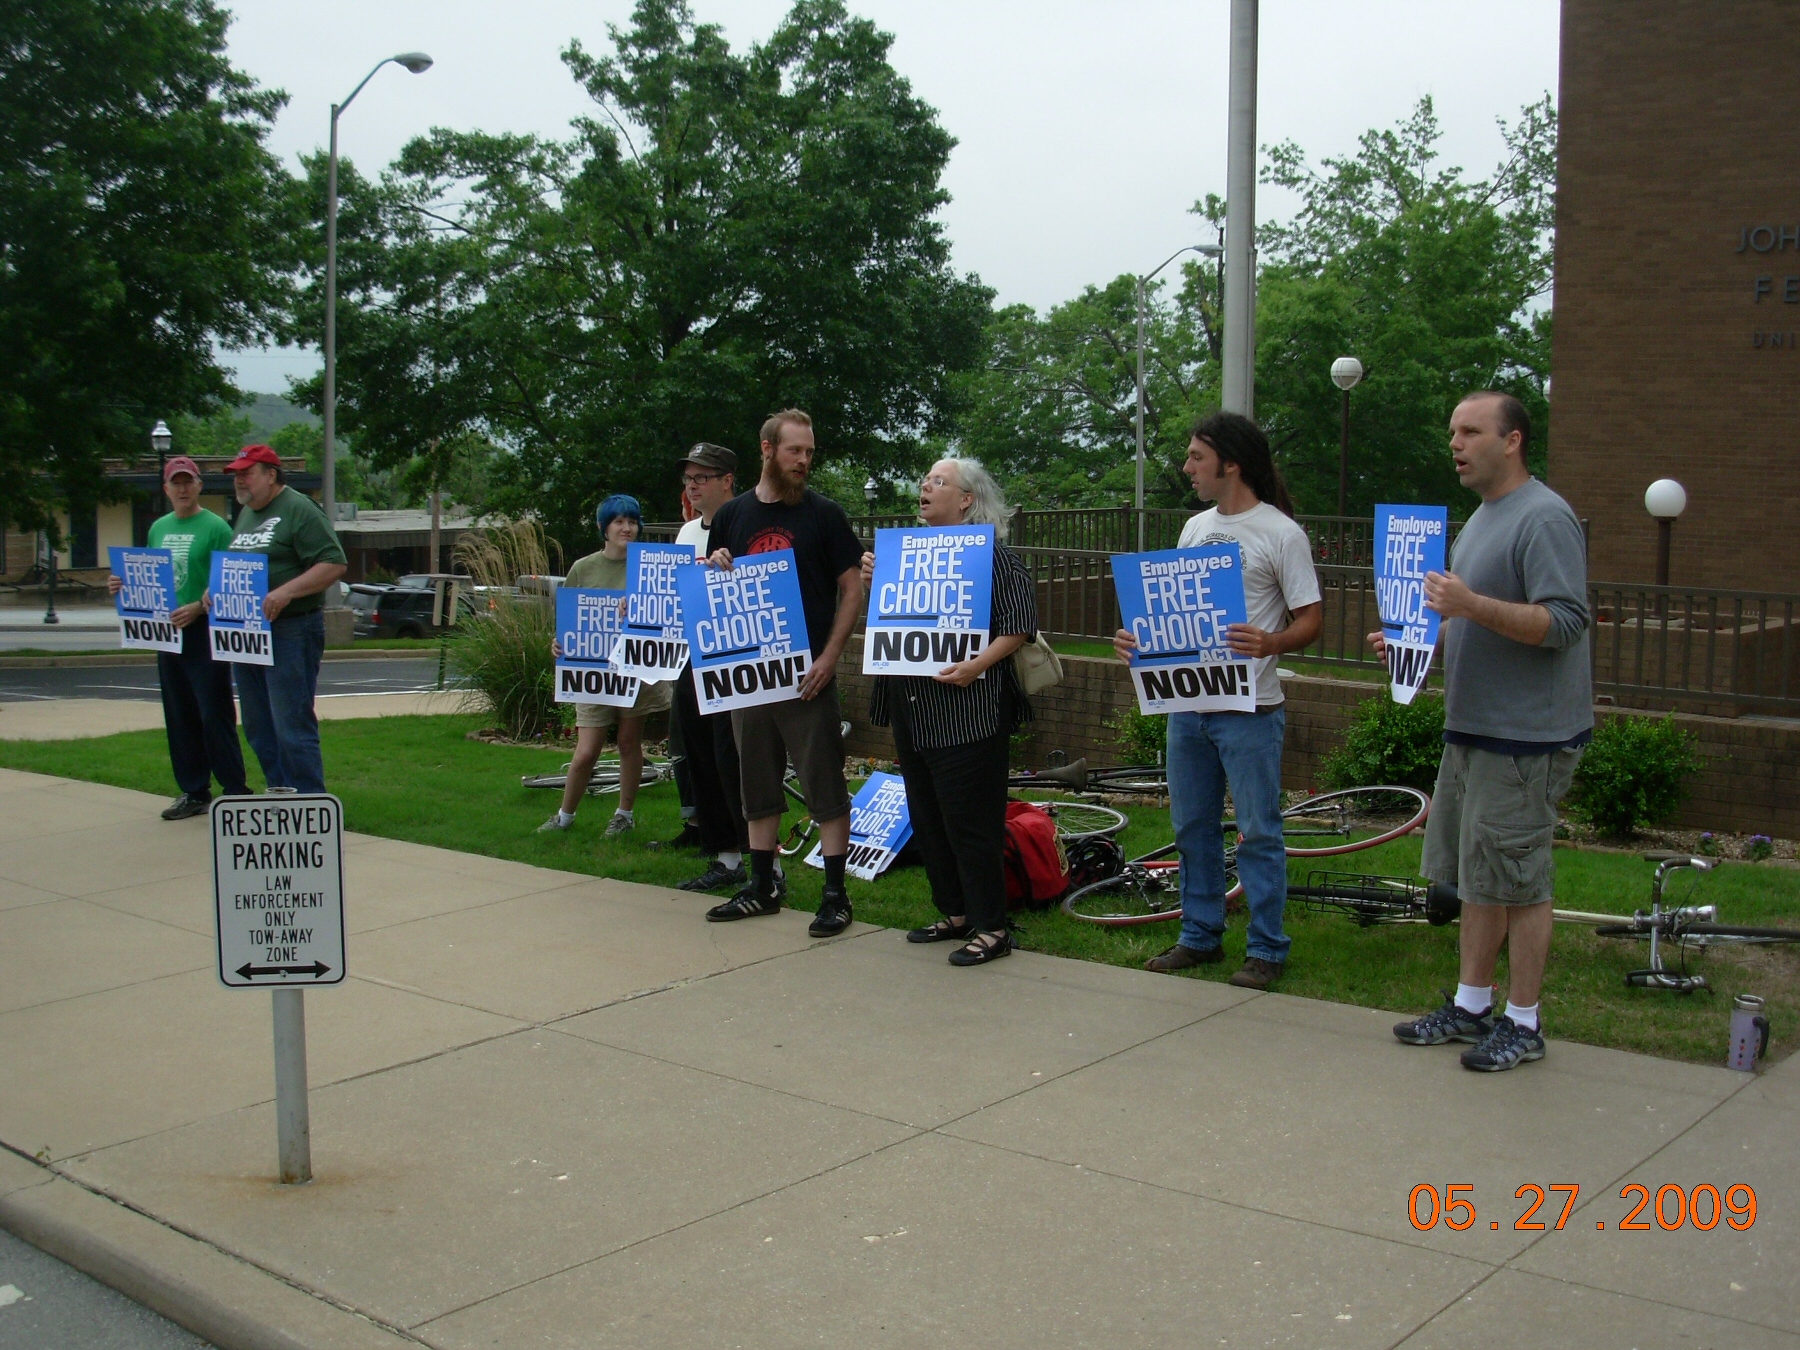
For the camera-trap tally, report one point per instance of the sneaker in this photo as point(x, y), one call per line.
point(555, 823)
point(716, 878)
point(781, 886)
point(186, 806)
point(1507, 1046)
point(688, 838)
point(1448, 1023)
point(1257, 973)
point(834, 914)
point(746, 904)
point(619, 824)
point(1179, 957)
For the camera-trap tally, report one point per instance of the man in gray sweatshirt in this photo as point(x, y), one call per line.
point(1518, 708)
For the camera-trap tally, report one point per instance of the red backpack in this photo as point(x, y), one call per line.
point(1036, 876)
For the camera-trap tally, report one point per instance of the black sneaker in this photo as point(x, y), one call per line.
point(186, 806)
point(1507, 1046)
point(716, 878)
point(746, 904)
point(1448, 1023)
point(834, 914)
point(688, 838)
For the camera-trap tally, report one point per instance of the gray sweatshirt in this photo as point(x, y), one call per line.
point(1527, 548)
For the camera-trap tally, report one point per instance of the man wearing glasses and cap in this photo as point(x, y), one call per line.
point(304, 559)
point(198, 714)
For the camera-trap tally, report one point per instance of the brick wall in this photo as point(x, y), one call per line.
point(1750, 782)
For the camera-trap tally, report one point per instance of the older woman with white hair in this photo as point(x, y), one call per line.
point(951, 730)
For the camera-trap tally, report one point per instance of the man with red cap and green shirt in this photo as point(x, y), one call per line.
point(304, 559)
point(198, 714)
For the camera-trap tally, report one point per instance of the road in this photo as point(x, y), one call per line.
point(336, 678)
point(45, 1305)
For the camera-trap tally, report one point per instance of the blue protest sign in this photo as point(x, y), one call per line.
point(235, 595)
point(147, 598)
point(1409, 542)
point(1178, 603)
point(880, 825)
point(746, 631)
point(652, 645)
point(587, 627)
point(931, 599)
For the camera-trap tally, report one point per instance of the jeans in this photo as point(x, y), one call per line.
point(1207, 751)
point(199, 716)
point(277, 704)
point(956, 795)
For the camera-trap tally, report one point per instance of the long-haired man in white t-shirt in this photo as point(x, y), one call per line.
point(1230, 465)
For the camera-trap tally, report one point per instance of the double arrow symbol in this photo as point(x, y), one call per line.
point(250, 972)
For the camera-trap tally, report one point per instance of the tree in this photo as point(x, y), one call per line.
point(141, 218)
point(728, 234)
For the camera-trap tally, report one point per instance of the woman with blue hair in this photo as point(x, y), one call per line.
point(619, 518)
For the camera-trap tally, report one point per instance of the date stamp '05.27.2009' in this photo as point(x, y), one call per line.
point(1670, 1208)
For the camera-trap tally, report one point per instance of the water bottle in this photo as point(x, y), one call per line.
point(1749, 1033)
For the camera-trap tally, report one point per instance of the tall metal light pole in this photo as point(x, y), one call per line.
point(1238, 391)
point(1345, 372)
point(417, 63)
point(1206, 250)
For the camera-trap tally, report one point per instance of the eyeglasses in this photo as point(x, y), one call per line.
point(697, 479)
point(935, 480)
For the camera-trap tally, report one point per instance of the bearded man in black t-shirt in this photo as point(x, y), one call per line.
point(781, 512)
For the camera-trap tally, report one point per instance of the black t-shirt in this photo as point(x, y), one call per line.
point(816, 528)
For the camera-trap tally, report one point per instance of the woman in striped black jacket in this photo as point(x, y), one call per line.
point(951, 730)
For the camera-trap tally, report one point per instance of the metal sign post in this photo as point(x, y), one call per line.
point(278, 895)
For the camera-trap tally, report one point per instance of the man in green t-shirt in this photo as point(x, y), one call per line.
point(304, 559)
point(198, 714)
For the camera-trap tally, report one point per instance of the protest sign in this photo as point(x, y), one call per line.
point(147, 599)
point(1409, 542)
point(880, 825)
point(931, 600)
point(746, 631)
point(1178, 604)
point(652, 645)
point(240, 633)
point(587, 627)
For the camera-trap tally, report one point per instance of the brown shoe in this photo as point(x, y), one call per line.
point(1179, 957)
point(1257, 973)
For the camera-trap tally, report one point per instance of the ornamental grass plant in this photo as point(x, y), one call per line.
point(502, 656)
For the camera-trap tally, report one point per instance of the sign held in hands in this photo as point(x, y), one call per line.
point(588, 622)
point(746, 631)
point(240, 633)
point(1178, 603)
point(652, 644)
point(1409, 542)
point(931, 599)
point(147, 599)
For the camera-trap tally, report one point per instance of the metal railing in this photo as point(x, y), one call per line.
point(1733, 649)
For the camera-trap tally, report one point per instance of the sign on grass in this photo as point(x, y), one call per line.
point(147, 598)
point(1178, 603)
point(931, 599)
point(240, 633)
point(880, 825)
point(746, 631)
point(588, 621)
point(1409, 542)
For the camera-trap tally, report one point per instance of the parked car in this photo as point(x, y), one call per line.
point(400, 611)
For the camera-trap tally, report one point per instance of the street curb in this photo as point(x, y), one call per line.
point(219, 1297)
point(149, 658)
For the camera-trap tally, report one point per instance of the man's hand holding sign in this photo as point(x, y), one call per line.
point(746, 632)
point(1409, 553)
point(1185, 635)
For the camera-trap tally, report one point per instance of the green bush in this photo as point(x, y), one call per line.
point(1141, 737)
point(1390, 742)
point(1634, 773)
point(502, 654)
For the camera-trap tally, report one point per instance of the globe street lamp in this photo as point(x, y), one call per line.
point(1665, 499)
point(160, 441)
point(1346, 371)
point(1207, 251)
point(870, 490)
point(417, 63)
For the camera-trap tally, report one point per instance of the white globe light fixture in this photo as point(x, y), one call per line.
point(1346, 371)
point(1664, 499)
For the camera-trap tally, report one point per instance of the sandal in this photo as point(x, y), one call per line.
point(941, 931)
point(982, 948)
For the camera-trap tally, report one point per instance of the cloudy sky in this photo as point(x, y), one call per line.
point(1086, 128)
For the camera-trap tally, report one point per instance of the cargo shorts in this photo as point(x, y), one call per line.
point(1493, 823)
point(652, 698)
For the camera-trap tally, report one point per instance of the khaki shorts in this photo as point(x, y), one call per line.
point(807, 731)
point(652, 698)
point(1493, 820)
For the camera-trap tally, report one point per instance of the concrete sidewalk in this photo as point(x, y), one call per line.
point(555, 1110)
point(65, 719)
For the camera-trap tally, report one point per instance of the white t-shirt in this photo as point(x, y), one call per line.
point(1278, 574)
point(693, 534)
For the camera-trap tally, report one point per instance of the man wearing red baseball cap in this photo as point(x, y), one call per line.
point(198, 714)
point(304, 559)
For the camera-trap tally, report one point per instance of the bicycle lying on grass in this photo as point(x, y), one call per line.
point(606, 776)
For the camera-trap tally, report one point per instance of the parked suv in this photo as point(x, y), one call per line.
point(399, 611)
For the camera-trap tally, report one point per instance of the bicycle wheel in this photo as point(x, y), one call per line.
point(1145, 780)
point(1148, 890)
point(1353, 819)
point(1079, 820)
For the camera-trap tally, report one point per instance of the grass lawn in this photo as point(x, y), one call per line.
point(419, 778)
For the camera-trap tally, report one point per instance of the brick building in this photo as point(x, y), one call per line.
point(1677, 299)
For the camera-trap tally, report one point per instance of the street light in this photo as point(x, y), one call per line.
point(1665, 499)
point(1345, 372)
point(50, 614)
point(418, 63)
point(160, 441)
point(1205, 250)
point(870, 490)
